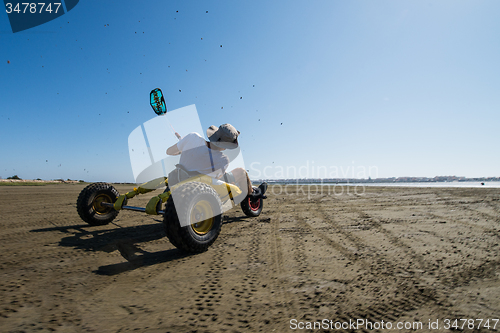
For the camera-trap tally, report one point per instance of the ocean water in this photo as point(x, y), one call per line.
point(416, 184)
point(439, 184)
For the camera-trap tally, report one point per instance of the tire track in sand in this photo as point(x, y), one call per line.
point(407, 291)
point(236, 292)
point(285, 300)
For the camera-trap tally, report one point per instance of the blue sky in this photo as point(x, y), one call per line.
point(400, 88)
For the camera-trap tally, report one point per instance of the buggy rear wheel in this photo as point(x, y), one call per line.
point(89, 203)
point(194, 221)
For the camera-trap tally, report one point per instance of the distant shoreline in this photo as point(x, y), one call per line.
point(463, 184)
point(404, 180)
point(39, 182)
point(341, 182)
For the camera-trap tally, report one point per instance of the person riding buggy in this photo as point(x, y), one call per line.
point(206, 157)
point(196, 191)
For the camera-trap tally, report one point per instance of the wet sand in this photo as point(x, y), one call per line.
point(391, 254)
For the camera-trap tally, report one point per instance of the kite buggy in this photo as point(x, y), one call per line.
point(191, 204)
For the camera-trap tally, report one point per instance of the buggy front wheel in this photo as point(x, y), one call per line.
point(252, 207)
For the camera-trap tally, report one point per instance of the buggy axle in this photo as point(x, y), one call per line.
point(137, 209)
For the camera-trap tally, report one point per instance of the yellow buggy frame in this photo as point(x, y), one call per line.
point(192, 216)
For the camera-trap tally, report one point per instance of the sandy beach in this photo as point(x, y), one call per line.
point(397, 255)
